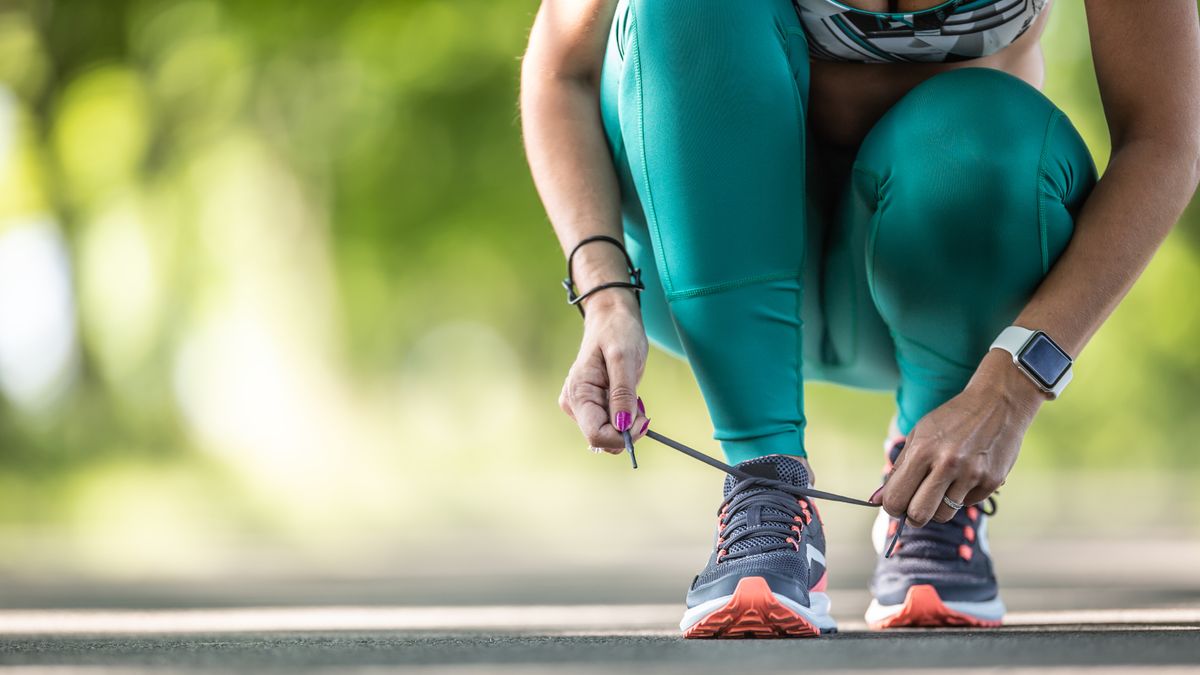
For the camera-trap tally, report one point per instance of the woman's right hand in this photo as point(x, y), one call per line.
point(600, 392)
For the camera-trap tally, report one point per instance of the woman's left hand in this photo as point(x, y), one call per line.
point(965, 448)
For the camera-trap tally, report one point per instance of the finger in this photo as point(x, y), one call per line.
point(588, 401)
point(640, 426)
point(928, 496)
point(622, 388)
point(982, 491)
point(593, 422)
point(641, 422)
point(902, 483)
point(957, 492)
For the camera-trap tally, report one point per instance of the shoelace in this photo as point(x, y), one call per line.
point(747, 482)
point(778, 517)
point(944, 538)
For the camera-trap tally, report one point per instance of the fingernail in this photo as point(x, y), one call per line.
point(875, 495)
point(624, 421)
point(644, 428)
point(641, 406)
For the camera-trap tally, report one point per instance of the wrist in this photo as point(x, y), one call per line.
point(596, 264)
point(1000, 377)
point(593, 284)
point(611, 301)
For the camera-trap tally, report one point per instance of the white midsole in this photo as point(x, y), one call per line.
point(987, 610)
point(817, 614)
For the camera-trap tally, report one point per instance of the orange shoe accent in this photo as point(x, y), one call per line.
point(753, 612)
point(923, 608)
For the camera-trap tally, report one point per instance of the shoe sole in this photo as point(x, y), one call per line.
point(754, 611)
point(924, 608)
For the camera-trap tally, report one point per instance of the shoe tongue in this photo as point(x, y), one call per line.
point(775, 467)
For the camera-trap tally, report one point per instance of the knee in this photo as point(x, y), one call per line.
point(979, 105)
point(976, 178)
point(979, 162)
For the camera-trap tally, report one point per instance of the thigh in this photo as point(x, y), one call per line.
point(702, 105)
point(706, 105)
point(656, 315)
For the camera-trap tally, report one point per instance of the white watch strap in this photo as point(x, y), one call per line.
point(1063, 381)
point(1012, 340)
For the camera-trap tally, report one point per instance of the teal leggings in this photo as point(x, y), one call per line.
point(958, 203)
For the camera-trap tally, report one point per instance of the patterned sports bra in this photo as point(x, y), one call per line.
point(956, 30)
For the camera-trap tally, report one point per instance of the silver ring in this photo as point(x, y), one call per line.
point(595, 451)
point(951, 503)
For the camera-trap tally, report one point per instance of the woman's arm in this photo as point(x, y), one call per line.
point(573, 171)
point(564, 136)
point(1147, 59)
point(1148, 66)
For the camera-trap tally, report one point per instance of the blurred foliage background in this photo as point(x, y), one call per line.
point(276, 294)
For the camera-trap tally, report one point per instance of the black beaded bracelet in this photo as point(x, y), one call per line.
point(635, 275)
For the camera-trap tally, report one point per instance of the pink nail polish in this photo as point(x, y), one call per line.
point(624, 421)
point(875, 495)
point(641, 406)
point(644, 427)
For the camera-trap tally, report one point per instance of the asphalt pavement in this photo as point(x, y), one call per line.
point(1077, 606)
point(568, 638)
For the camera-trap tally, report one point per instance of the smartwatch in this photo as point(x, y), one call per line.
point(1039, 357)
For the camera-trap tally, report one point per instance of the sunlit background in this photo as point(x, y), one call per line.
point(277, 298)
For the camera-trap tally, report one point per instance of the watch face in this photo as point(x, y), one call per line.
point(1044, 360)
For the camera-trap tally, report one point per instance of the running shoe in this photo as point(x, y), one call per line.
point(766, 576)
point(938, 575)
